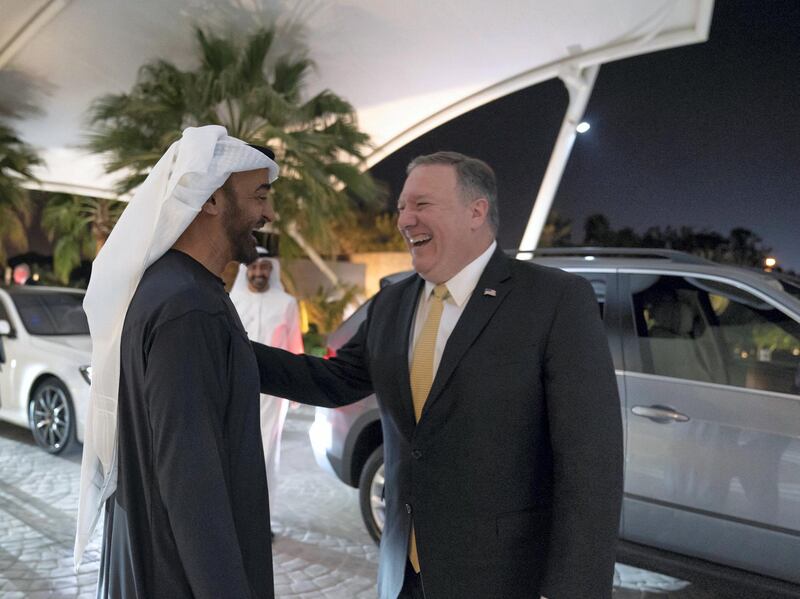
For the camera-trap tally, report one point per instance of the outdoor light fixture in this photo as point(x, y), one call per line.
point(583, 127)
point(770, 262)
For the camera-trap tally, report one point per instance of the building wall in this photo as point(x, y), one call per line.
point(379, 265)
point(307, 278)
point(363, 270)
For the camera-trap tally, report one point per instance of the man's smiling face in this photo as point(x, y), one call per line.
point(258, 273)
point(437, 224)
point(248, 209)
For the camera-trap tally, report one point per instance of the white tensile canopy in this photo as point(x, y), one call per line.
point(406, 67)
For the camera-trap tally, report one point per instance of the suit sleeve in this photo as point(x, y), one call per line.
point(586, 437)
point(339, 381)
point(187, 396)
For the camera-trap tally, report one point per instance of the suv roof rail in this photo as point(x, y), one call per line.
point(672, 255)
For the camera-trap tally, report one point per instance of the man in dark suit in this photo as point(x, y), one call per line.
point(501, 421)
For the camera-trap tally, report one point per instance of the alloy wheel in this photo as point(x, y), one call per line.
point(50, 418)
point(376, 502)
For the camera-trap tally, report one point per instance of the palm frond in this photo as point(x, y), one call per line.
point(12, 231)
point(290, 77)
point(17, 160)
point(66, 256)
point(317, 140)
point(78, 225)
point(251, 62)
point(215, 52)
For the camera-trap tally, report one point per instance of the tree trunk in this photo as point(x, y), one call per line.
point(291, 230)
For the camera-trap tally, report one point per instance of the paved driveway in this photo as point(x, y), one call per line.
point(321, 549)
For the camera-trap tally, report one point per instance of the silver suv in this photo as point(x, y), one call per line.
point(707, 360)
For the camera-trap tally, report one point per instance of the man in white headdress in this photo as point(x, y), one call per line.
point(270, 316)
point(173, 447)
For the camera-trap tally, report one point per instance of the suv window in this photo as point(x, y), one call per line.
point(599, 284)
point(599, 287)
point(703, 330)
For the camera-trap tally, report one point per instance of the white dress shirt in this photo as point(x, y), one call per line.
point(460, 288)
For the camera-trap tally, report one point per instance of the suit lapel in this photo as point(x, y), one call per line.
point(476, 315)
point(399, 346)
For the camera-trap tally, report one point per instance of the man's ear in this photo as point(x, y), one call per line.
point(211, 205)
point(479, 212)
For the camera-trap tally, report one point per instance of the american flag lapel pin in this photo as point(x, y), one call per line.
point(490, 292)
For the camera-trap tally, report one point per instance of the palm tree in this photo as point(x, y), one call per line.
point(557, 231)
point(79, 226)
point(16, 161)
point(317, 141)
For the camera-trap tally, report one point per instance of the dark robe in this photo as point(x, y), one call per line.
point(190, 515)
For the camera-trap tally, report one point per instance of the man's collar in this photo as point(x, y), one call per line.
point(463, 283)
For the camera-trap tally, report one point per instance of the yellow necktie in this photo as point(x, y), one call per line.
point(422, 376)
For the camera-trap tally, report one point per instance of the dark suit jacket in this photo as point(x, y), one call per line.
point(513, 475)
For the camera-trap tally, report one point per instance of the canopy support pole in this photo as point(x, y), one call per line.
point(29, 29)
point(579, 84)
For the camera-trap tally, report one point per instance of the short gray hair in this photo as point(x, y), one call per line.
point(475, 179)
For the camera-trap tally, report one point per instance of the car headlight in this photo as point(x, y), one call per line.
point(86, 373)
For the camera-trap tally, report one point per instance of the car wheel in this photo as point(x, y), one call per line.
point(370, 494)
point(51, 417)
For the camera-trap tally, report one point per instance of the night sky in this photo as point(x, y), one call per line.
point(706, 136)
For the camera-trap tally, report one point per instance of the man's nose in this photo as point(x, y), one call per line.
point(269, 211)
point(405, 219)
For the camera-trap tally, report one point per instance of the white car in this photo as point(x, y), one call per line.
point(45, 352)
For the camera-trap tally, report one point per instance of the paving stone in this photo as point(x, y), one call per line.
point(321, 550)
point(303, 586)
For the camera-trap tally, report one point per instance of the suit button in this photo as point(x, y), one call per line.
point(408, 508)
point(416, 454)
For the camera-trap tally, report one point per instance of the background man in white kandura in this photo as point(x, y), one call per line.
point(270, 316)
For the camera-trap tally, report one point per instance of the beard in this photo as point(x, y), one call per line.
point(259, 283)
point(244, 247)
point(240, 237)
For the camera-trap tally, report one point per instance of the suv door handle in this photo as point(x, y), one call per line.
point(660, 414)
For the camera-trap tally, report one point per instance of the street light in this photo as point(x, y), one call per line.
point(583, 127)
point(770, 262)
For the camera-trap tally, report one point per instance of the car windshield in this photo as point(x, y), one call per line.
point(51, 312)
